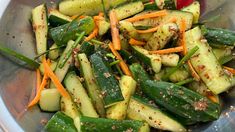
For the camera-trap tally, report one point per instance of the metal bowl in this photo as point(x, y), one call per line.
point(16, 82)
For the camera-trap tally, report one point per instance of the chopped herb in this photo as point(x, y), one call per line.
point(19, 56)
point(78, 40)
point(181, 63)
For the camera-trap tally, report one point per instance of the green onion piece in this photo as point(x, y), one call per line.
point(65, 59)
point(104, 9)
point(189, 80)
point(46, 52)
point(225, 59)
point(181, 63)
point(19, 56)
point(110, 55)
point(96, 42)
point(114, 63)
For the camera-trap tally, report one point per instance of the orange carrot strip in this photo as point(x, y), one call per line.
point(182, 30)
point(93, 34)
point(101, 14)
point(229, 69)
point(38, 75)
point(97, 18)
point(157, 27)
point(42, 86)
point(122, 64)
point(136, 42)
point(167, 51)
point(213, 98)
point(149, 15)
point(96, 29)
point(55, 80)
point(193, 72)
point(75, 16)
point(114, 30)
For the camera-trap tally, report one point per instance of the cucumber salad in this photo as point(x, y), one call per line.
point(128, 65)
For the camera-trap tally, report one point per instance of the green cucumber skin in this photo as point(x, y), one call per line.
point(55, 21)
point(138, 72)
point(219, 37)
point(89, 124)
point(130, 59)
point(62, 34)
point(109, 86)
point(140, 56)
point(60, 122)
point(87, 48)
point(150, 6)
point(170, 4)
point(141, 109)
point(181, 101)
point(91, 85)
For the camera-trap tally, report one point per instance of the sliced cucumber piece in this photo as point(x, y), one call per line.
point(88, 7)
point(50, 100)
point(152, 60)
point(56, 18)
point(88, 124)
point(211, 73)
point(194, 8)
point(79, 95)
point(166, 4)
point(54, 54)
point(179, 15)
point(129, 9)
point(91, 85)
point(69, 108)
point(62, 34)
point(103, 26)
point(40, 27)
point(170, 59)
point(118, 111)
point(61, 72)
point(139, 110)
point(108, 84)
point(163, 35)
point(60, 121)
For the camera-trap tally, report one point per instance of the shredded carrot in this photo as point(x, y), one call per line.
point(75, 16)
point(96, 29)
point(213, 98)
point(101, 14)
point(93, 34)
point(55, 80)
point(136, 42)
point(149, 15)
point(38, 75)
point(122, 64)
point(151, 30)
point(114, 30)
point(168, 51)
point(229, 69)
point(193, 72)
point(97, 18)
point(42, 86)
point(182, 30)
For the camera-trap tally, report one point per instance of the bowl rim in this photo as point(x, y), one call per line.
point(7, 122)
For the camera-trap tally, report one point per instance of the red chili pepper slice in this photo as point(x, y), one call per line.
point(183, 3)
